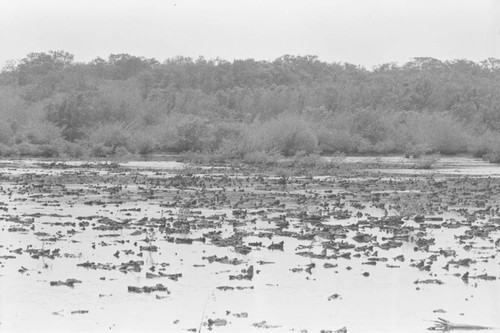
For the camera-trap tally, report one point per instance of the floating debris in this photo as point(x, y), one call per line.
point(80, 312)
point(445, 326)
point(334, 297)
point(68, 282)
point(146, 289)
point(264, 324)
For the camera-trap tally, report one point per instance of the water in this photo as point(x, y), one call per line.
point(444, 165)
point(282, 293)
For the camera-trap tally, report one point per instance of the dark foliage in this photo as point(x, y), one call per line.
point(185, 104)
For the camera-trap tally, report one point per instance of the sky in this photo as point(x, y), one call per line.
point(361, 32)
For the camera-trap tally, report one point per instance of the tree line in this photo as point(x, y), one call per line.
point(51, 105)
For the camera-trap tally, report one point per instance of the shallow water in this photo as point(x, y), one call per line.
point(282, 292)
point(444, 165)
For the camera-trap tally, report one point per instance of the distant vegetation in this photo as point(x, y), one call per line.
point(52, 106)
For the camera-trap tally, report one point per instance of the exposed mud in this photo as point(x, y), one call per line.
point(158, 247)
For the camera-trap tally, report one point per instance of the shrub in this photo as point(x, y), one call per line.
point(6, 133)
point(106, 139)
point(331, 141)
point(363, 131)
point(287, 134)
point(190, 135)
point(42, 133)
point(76, 149)
point(447, 137)
point(383, 147)
point(180, 133)
point(7, 151)
point(439, 133)
point(143, 144)
point(231, 149)
point(492, 147)
point(101, 150)
point(50, 150)
point(121, 151)
point(493, 156)
point(222, 133)
point(28, 149)
point(372, 125)
point(484, 144)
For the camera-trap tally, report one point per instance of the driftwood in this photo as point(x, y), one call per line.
point(445, 325)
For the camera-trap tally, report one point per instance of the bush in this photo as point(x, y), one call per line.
point(50, 150)
point(483, 144)
point(384, 147)
point(222, 133)
point(190, 135)
point(361, 131)
point(107, 139)
point(7, 151)
point(143, 144)
point(493, 156)
point(76, 149)
point(492, 148)
point(375, 126)
point(447, 137)
point(179, 133)
point(28, 149)
point(101, 150)
point(286, 134)
point(331, 141)
point(439, 133)
point(42, 133)
point(121, 151)
point(6, 133)
point(230, 149)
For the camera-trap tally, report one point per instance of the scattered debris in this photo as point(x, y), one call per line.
point(146, 289)
point(68, 282)
point(334, 297)
point(445, 326)
point(264, 324)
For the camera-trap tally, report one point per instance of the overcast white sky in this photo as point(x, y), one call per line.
point(364, 32)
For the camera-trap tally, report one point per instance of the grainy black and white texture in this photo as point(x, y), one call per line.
point(249, 166)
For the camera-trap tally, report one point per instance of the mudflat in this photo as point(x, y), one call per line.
point(359, 245)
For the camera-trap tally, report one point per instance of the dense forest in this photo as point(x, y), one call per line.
point(52, 106)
